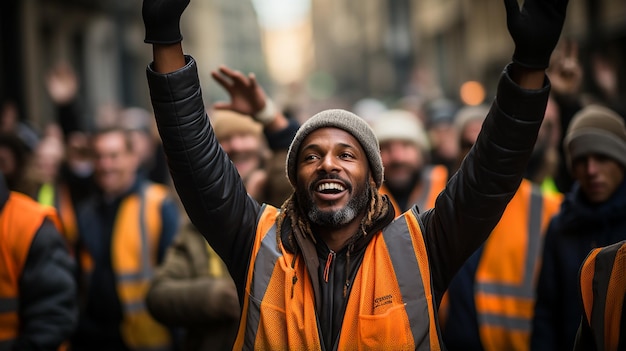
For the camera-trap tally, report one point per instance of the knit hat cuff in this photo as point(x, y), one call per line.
point(595, 141)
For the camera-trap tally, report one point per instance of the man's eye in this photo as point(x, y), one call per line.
point(310, 157)
point(346, 155)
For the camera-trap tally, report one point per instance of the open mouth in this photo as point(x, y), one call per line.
point(330, 191)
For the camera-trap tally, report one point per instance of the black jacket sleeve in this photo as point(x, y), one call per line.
point(475, 198)
point(48, 296)
point(206, 180)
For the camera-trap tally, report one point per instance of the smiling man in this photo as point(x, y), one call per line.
point(592, 215)
point(331, 269)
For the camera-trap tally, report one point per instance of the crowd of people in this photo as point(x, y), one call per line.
point(234, 226)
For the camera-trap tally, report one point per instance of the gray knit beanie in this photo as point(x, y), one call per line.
point(348, 122)
point(595, 130)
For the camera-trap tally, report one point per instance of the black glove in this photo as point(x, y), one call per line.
point(162, 20)
point(535, 29)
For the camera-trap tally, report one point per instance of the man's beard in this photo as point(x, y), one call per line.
point(405, 186)
point(355, 206)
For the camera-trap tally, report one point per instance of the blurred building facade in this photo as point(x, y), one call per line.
point(103, 41)
point(347, 49)
point(389, 48)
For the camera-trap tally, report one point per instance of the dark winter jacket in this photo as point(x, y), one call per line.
point(464, 215)
point(578, 228)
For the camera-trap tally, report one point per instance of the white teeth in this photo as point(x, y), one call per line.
point(330, 186)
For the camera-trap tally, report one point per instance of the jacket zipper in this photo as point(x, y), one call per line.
point(329, 261)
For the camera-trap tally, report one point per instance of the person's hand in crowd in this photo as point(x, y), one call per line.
point(62, 83)
point(247, 97)
point(565, 71)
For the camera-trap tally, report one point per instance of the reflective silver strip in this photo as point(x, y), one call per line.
point(134, 306)
point(398, 240)
point(145, 273)
point(526, 289)
point(263, 268)
point(8, 304)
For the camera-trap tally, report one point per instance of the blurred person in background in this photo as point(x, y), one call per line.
point(566, 75)
point(602, 280)
point(192, 288)
point(489, 303)
point(45, 184)
point(14, 159)
point(11, 123)
point(311, 274)
point(592, 215)
point(442, 133)
point(248, 98)
point(146, 143)
point(124, 230)
point(242, 139)
point(37, 287)
point(410, 179)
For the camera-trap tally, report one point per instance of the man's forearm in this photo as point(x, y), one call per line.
point(530, 79)
point(168, 58)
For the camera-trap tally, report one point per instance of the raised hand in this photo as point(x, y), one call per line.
point(246, 95)
point(161, 19)
point(535, 29)
point(565, 71)
point(62, 83)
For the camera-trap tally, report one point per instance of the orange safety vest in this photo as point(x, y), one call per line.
point(506, 274)
point(603, 290)
point(65, 209)
point(134, 245)
point(381, 313)
point(434, 179)
point(20, 220)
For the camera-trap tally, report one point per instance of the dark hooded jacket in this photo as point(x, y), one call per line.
point(464, 215)
point(578, 228)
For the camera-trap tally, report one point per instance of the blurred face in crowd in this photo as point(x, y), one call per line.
point(333, 177)
point(599, 176)
point(114, 161)
point(143, 145)
point(444, 140)
point(468, 136)
point(47, 160)
point(403, 162)
point(244, 149)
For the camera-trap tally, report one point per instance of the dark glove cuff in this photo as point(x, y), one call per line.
point(169, 34)
point(535, 62)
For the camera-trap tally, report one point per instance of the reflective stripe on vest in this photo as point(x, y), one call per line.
point(433, 181)
point(603, 288)
point(20, 220)
point(505, 289)
point(390, 304)
point(134, 247)
point(133, 259)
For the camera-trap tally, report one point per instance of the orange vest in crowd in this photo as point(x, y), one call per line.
point(603, 290)
point(434, 180)
point(381, 314)
point(65, 210)
point(505, 288)
point(20, 220)
point(134, 245)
